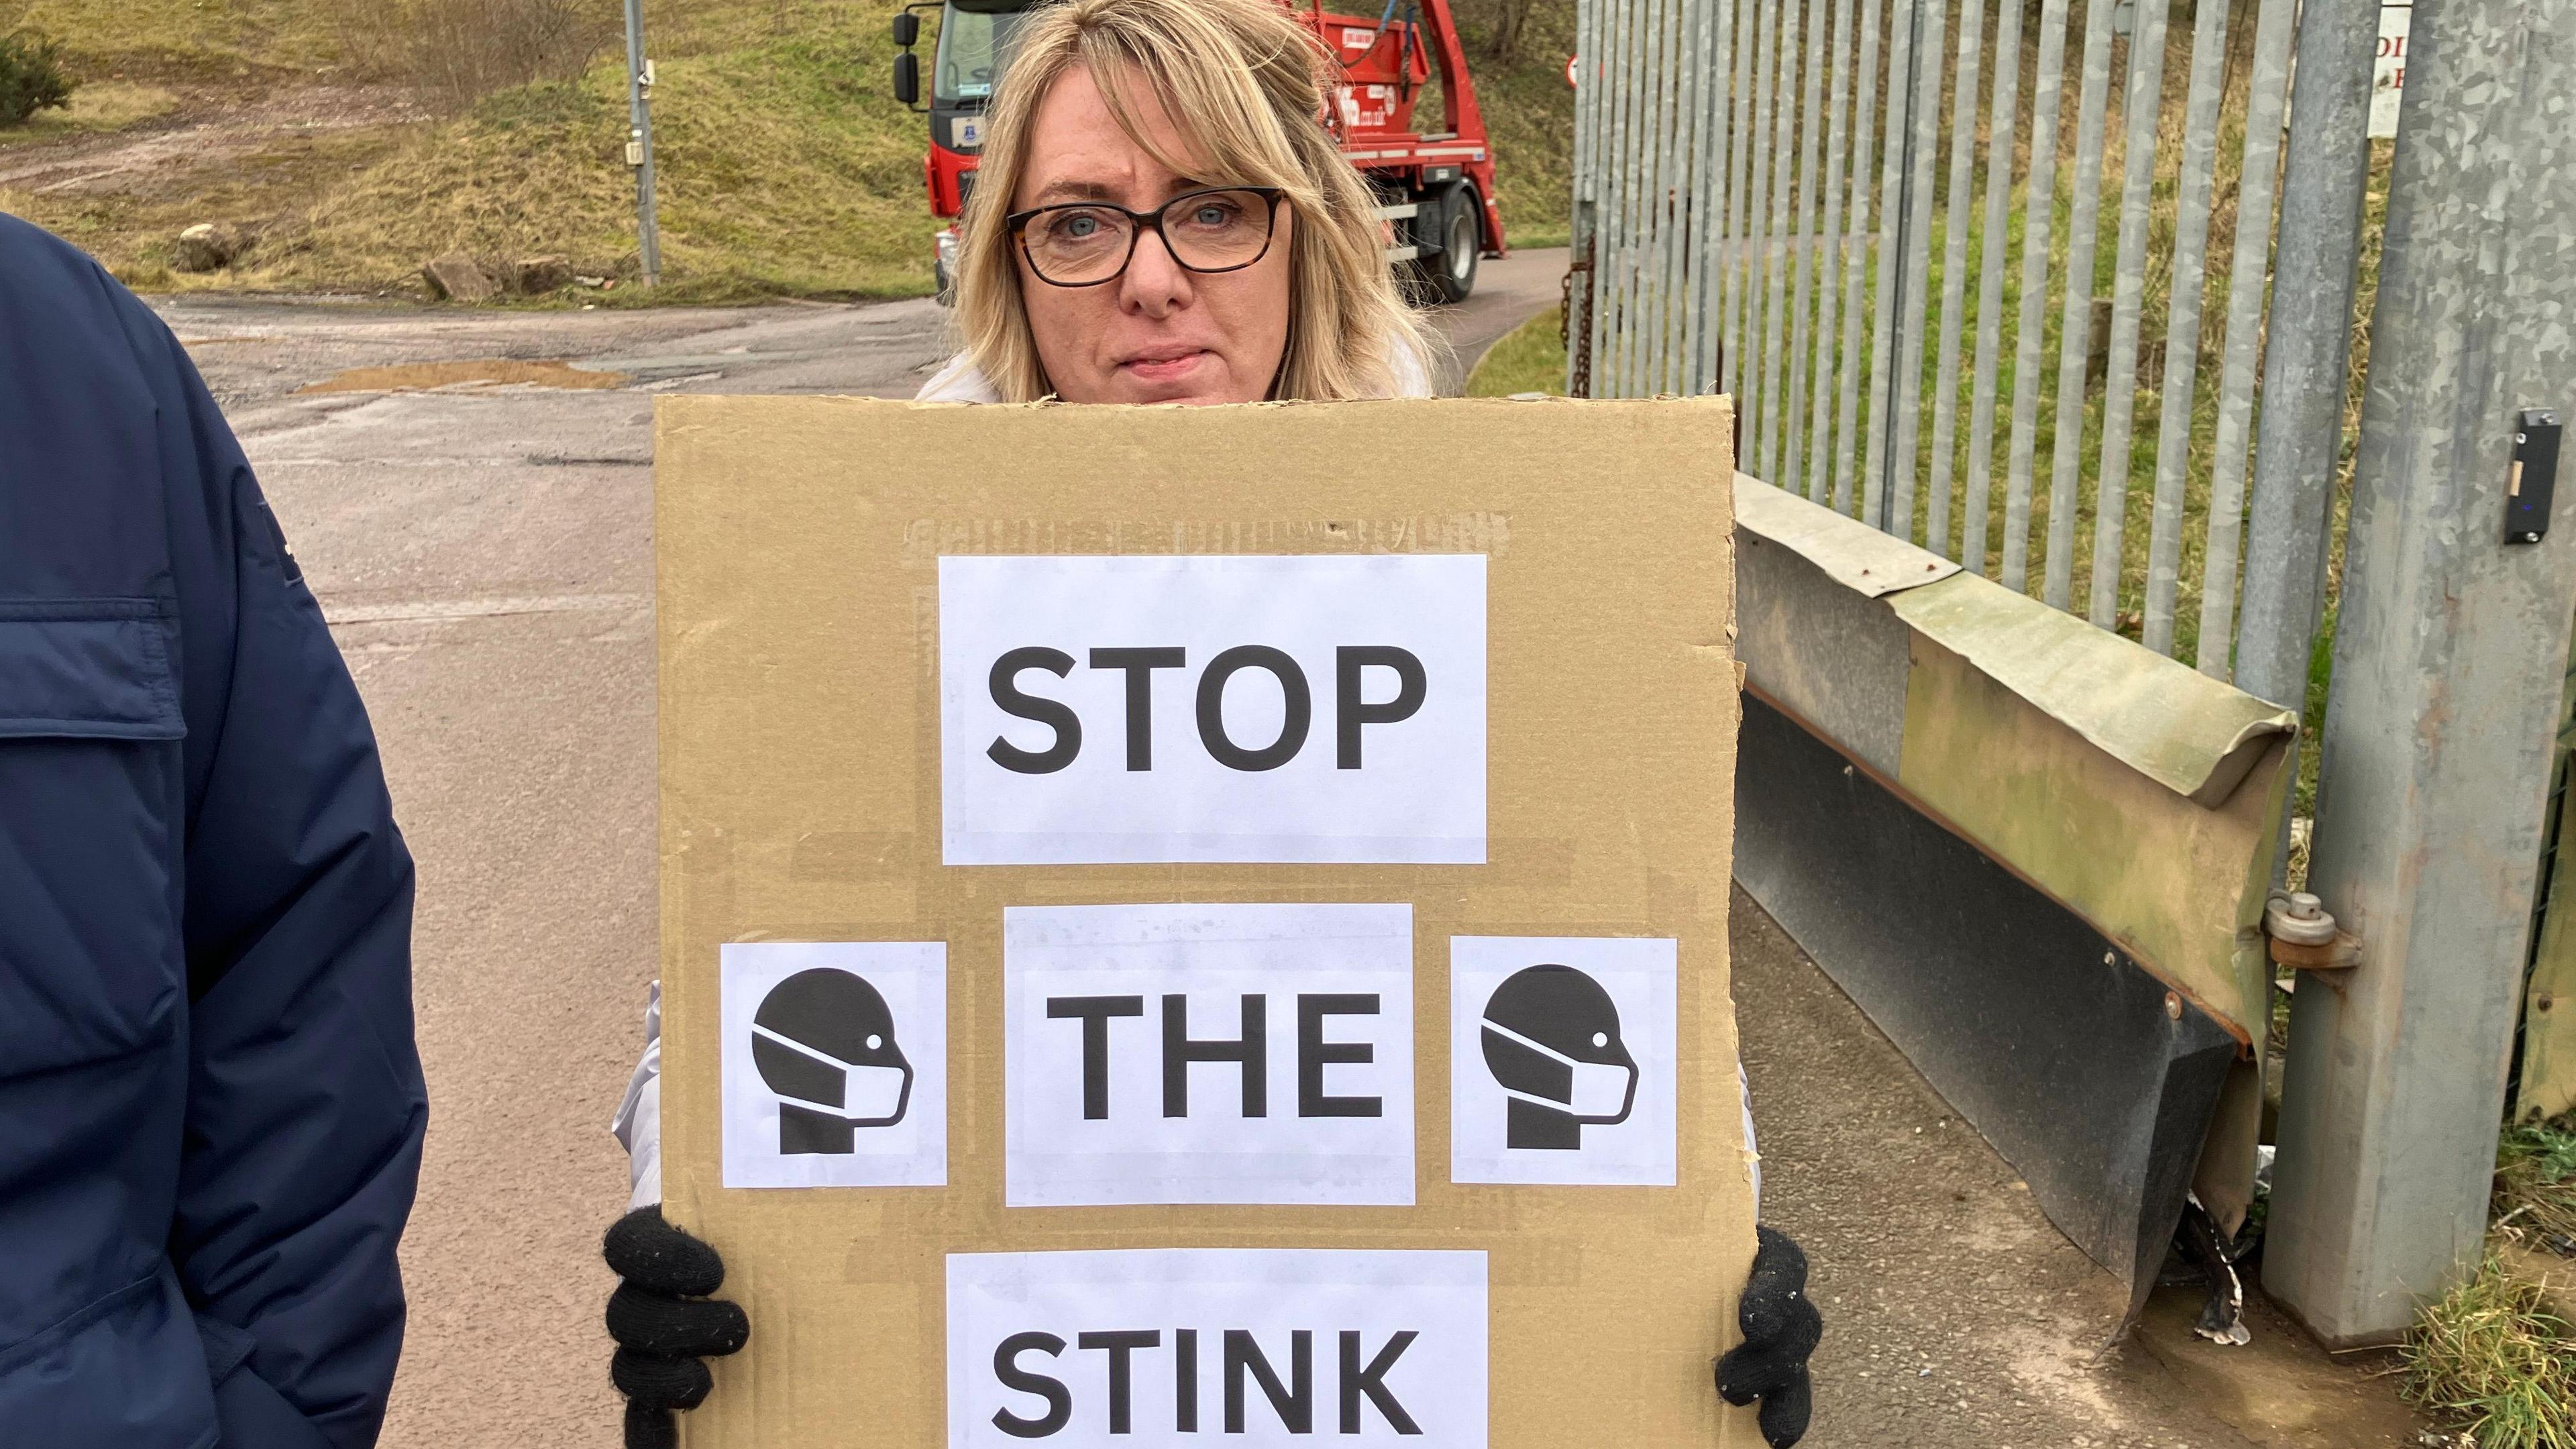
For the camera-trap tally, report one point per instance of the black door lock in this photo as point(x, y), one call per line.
point(2534, 481)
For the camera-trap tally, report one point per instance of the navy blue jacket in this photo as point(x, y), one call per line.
point(210, 1103)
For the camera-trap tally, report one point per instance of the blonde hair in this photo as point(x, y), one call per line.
point(1246, 84)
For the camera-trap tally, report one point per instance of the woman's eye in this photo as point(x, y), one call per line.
point(1213, 214)
point(1067, 228)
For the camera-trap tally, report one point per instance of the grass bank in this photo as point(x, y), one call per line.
point(785, 167)
point(781, 172)
point(785, 170)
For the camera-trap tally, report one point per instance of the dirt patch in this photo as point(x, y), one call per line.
point(202, 134)
point(2555, 1275)
point(476, 372)
point(2280, 1391)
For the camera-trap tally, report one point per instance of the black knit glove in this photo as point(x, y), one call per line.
point(1781, 1328)
point(664, 1323)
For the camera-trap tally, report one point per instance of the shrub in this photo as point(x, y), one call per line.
point(31, 76)
point(464, 50)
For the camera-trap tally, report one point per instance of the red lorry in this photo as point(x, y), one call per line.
point(1435, 189)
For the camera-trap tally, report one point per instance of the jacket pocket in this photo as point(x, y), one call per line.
point(126, 1369)
point(91, 802)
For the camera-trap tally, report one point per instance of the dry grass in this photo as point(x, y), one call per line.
point(2535, 1184)
point(781, 173)
point(2490, 1357)
point(465, 50)
point(275, 190)
point(97, 107)
point(2493, 1355)
point(218, 41)
point(784, 170)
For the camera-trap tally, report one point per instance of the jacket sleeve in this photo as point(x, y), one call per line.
point(306, 1104)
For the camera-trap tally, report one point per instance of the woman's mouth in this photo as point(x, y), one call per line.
point(1164, 366)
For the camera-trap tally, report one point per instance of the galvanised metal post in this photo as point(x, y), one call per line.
point(2449, 658)
point(639, 142)
point(2307, 352)
point(1579, 283)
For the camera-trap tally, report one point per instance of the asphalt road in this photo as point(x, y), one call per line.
point(259, 355)
point(484, 553)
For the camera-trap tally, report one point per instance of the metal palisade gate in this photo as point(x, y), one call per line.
point(1989, 276)
point(2064, 292)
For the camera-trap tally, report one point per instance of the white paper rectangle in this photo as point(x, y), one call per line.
point(1366, 1381)
point(2388, 73)
point(835, 1063)
point(1090, 1089)
point(1247, 633)
point(1563, 1059)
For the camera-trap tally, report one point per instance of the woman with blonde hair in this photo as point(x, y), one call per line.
point(1159, 216)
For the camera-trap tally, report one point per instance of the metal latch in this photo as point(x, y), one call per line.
point(2532, 487)
point(2304, 937)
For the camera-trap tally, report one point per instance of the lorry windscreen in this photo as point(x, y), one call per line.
point(973, 44)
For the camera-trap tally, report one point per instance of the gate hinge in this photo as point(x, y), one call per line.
point(2304, 937)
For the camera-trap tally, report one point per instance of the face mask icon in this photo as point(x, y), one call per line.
point(1551, 1037)
point(824, 1042)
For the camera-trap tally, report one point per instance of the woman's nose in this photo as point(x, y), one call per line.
point(1154, 284)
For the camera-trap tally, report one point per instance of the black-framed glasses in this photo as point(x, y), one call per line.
point(1086, 243)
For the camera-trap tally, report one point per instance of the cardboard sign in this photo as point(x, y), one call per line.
point(1249, 1111)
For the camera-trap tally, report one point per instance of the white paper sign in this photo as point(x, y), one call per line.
point(2388, 71)
point(1208, 1054)
point(1563, 1060)
point(1305, 709)
point(1269, 1348)
point(835, 1063)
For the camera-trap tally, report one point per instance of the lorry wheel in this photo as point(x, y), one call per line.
point(1453, 272)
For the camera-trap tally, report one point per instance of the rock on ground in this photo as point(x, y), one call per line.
point(536, 276)
point(457, 277)
point(209, 246)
